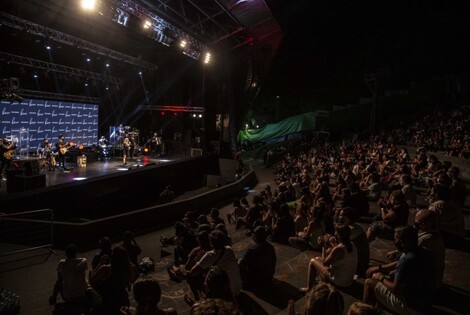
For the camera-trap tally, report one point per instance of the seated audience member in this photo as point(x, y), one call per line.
point(215, 218)
point(359, 201)
point(283, 225)
point(223, 257)
point(458, 191)
point(221, 227)
point(258, 264)
point(184, 241)
point(133, 249)
point(358, 237)
point(324, 299)
point(204, 224)
point(359, 308)
point(71, 281)
point(237, 212)
point(180, 272)
point(253, 214)
point(374, 188)
point(392, 214)
point(216, 286)
point(147, 294)
point(315, 229)
point(167, 195)
point(112, 278)
point(425, 223)
point(408, 190)
point(412, 288)
point(338, 265)
point(105, 249)
point(214, 306)
point(451, 221)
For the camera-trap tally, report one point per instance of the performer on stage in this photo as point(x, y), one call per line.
point(7, 150)
point(103, 142)
point(126, 145)
point(61, 148)
point(49, 155)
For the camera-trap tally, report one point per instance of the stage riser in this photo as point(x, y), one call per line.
point(114, 194)
point(86, 235)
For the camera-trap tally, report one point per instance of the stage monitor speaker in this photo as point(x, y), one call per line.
point(13, 182)
point(32, 182)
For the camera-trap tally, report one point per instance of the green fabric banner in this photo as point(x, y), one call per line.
point(287, 126)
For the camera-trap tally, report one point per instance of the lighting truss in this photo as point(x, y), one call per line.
point(172, 108)
point(39, 64)
point(164, 32)
point(57, 96)
point(46, 32)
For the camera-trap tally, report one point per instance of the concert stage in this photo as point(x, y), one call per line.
point(105, 198)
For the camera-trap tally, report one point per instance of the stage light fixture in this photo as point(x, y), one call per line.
point(35, 76)
point(140, 72)
point(107, 88)
point(88, 59)
point(48, 47)
point(107, 65)
point(86, 84)
point(200, 115)
point(88, 4)
point(147, 24)
point(183, 43)
point(207, 58)
point(194, 115)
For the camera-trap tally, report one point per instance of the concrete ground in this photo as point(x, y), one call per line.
point(32, 275)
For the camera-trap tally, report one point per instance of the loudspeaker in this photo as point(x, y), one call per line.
point(25, 183)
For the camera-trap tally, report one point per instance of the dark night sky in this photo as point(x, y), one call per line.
point(330, 45)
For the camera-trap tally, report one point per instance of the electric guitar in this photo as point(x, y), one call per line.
point(65, 148)
point(8, 154)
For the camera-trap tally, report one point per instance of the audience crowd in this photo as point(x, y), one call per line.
point(316, 202)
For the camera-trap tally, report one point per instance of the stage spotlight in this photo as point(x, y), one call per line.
point(140, 72)
point(194, 115)
point(147, 24)
point(183, 43)
point(207, 58)
point(200, 115)
point(107, 88)
point(88, 59)
point(48, 47)
point(107, 65)
point(86, 84)
point(35, 76)
point(88, 4)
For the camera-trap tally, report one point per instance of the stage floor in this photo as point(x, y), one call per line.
point(98, 168)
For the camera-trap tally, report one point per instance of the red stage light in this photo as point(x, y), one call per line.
point(162, 113)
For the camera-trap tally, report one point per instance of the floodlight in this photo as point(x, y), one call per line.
point(200, 115)
point(183, 43)
point(35, 76)
point(88, 4)
point(107, 65)
point(147, 24)
point(48, 47)
point(88, 59)
point(207, 58)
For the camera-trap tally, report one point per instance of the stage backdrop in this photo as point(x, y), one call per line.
point(78, 122)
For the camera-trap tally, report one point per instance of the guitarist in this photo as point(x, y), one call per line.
point(7, 149)
point(61, 148)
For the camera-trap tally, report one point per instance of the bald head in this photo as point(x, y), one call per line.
point(426, 220)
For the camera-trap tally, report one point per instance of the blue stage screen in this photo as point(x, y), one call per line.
point(78, 122)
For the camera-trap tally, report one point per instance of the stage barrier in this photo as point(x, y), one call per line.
point(26, 231)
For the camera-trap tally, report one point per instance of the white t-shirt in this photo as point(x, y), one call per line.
point(227, 262)
point(73, 272)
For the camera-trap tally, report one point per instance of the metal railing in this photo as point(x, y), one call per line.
point(26, 231)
